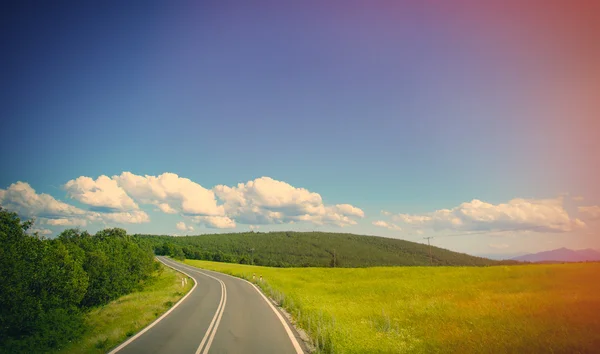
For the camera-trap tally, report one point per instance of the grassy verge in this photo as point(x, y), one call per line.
point(109, 325)
point(516, 309)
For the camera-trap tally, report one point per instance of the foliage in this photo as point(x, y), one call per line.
point(111, 324)
point(516, 309)
point(307, 249)
point(46, 285)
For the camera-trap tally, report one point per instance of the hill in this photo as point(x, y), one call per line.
point(561, 255)
point(307, 249)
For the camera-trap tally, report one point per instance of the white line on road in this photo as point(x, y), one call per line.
point(287, 328)
point(212, 336)
point(212, 328)
point(124, 344)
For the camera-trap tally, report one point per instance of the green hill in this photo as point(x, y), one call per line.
point(307, 249)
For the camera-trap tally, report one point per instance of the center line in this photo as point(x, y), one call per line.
point(212, 328)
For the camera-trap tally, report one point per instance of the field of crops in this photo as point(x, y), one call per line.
point(504, 309)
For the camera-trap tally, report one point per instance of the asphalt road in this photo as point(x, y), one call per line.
point(221, 314)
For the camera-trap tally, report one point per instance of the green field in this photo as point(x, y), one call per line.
point(504, 309)
point(112, 324)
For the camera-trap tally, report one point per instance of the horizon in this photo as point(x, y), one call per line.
point(475, 125)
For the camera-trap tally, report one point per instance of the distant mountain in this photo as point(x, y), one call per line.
point(500, 256)
point(561, 255)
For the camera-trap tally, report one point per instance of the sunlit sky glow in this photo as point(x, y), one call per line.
point(396, 119)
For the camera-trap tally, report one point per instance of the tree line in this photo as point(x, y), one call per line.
point(308, 249)
point(47, 285)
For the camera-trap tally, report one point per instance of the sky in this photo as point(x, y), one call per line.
point(476, 124)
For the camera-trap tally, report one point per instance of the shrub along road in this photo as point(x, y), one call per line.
point(222, 314)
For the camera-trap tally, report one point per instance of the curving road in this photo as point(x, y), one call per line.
point(221, 314)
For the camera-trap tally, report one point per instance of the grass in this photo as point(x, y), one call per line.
point(112, 324)
point(505, 309)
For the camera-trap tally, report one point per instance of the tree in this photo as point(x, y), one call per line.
point(41, 285)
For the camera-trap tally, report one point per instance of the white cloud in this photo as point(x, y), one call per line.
point(166, 208)
point(215, 222)
point(183, 227)
point(268, 201)
point(387, 225)
point(385, 213)
point(541, 215)
point(349, 210)
point(498, 246)
point(65, 222)
point(118, 199)
point(592, 211)
point(578, 198)
point(22, 199)
point(176, 192)
point(102, 192)
point(254, 227)
point(127, 217)
point(40, 231)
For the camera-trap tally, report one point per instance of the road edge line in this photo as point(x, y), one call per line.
point(287, 328)
point(145, 329)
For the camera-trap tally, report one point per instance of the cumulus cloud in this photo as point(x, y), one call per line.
point(385, 213)
point(268, 201)
point(117, 199)
point(103, 192)
point(166, 208)
point(44, 232)
point(215, 222)
point(541, 215)
point(170, 192)
point(183, 227)
point(127, 217)
point(65, 222)
point(592, 211)
point(387, 225)
point(22, 199)
point(578, 198)
point(349, 210)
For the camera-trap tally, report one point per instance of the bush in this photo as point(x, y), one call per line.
point(46, 285)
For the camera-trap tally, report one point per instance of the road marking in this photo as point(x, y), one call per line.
point(212, 328)
point(124, 344)
point(214, 324)
point(212, 336)
point(287, 328)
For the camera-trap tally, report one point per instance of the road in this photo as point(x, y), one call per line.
point(221, 314)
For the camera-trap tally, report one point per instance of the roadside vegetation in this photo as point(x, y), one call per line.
point(517, 309)
point(109, 325)
point(308, 249)
point(47, 286)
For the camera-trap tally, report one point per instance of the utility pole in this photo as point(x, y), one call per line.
point(429, 244)
point(334, 260)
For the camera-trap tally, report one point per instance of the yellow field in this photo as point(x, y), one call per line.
point(516, 309)
point(112, 324)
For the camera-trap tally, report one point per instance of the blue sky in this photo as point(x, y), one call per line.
point(399, 109)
